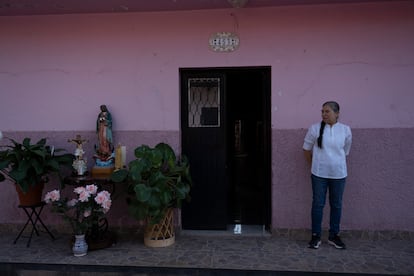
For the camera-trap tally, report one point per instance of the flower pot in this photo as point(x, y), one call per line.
point(33, 195)
point(80, 247)
point(161, 234)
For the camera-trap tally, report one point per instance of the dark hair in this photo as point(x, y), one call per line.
point(335, 107)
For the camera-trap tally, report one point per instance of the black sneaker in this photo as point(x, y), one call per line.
point(315, 242)
point(337, 242)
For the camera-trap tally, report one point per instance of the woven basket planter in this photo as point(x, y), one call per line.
point(161, 234)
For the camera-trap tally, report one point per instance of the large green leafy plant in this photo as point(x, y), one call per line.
point(156, 181)
point(28, 164)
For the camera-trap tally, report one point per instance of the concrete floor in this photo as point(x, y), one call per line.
point(253, 252)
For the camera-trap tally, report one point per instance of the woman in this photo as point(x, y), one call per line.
point(325, 147)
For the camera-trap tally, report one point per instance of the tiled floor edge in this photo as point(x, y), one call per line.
point(304, 234)
point(294, 234)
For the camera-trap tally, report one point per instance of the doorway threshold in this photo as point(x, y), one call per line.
point(232, 230)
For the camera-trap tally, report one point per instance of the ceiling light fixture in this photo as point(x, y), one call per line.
point(238, 3)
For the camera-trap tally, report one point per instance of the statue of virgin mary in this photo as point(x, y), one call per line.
point(105, 149)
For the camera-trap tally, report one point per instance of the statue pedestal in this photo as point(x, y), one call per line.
point(102, 172)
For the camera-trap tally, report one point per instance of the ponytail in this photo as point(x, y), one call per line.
point(321, 134)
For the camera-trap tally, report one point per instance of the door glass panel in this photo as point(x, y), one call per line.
point(204, 102)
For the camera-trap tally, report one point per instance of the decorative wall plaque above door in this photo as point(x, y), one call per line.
point(224, 42)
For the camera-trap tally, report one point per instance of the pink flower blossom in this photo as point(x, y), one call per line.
point(79, 190)
point(106, 205)
point(84, 196)
point(102, 197)
point(106, 193)
point(92, 189)
point(52, 196)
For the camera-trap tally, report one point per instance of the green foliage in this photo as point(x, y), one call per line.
point(156, 181)
point(29, 164)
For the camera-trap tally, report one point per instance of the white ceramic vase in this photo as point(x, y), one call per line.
point(80, 247)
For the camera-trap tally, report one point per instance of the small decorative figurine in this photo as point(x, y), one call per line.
point(79, 164)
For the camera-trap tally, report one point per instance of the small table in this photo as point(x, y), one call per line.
point(101, 182)
point(33, 216)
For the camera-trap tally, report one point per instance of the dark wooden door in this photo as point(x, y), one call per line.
point(204, 143)
point(248, 116)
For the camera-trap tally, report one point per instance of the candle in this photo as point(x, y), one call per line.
point(118, 157)
point(123, 156)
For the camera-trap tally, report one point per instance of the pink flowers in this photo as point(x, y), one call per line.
point(82, 211)
point(104, 199)
point(52, 196)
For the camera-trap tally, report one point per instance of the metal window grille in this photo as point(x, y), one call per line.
point(204, 102)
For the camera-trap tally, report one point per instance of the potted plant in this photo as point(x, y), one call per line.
point(157, 182)
point(29, 166)
point(88, 207)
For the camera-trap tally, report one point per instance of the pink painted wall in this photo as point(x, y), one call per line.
point(55, 71)
point(131, 61)
point(379, 190)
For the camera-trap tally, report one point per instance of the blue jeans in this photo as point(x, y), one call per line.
point(336, 189)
